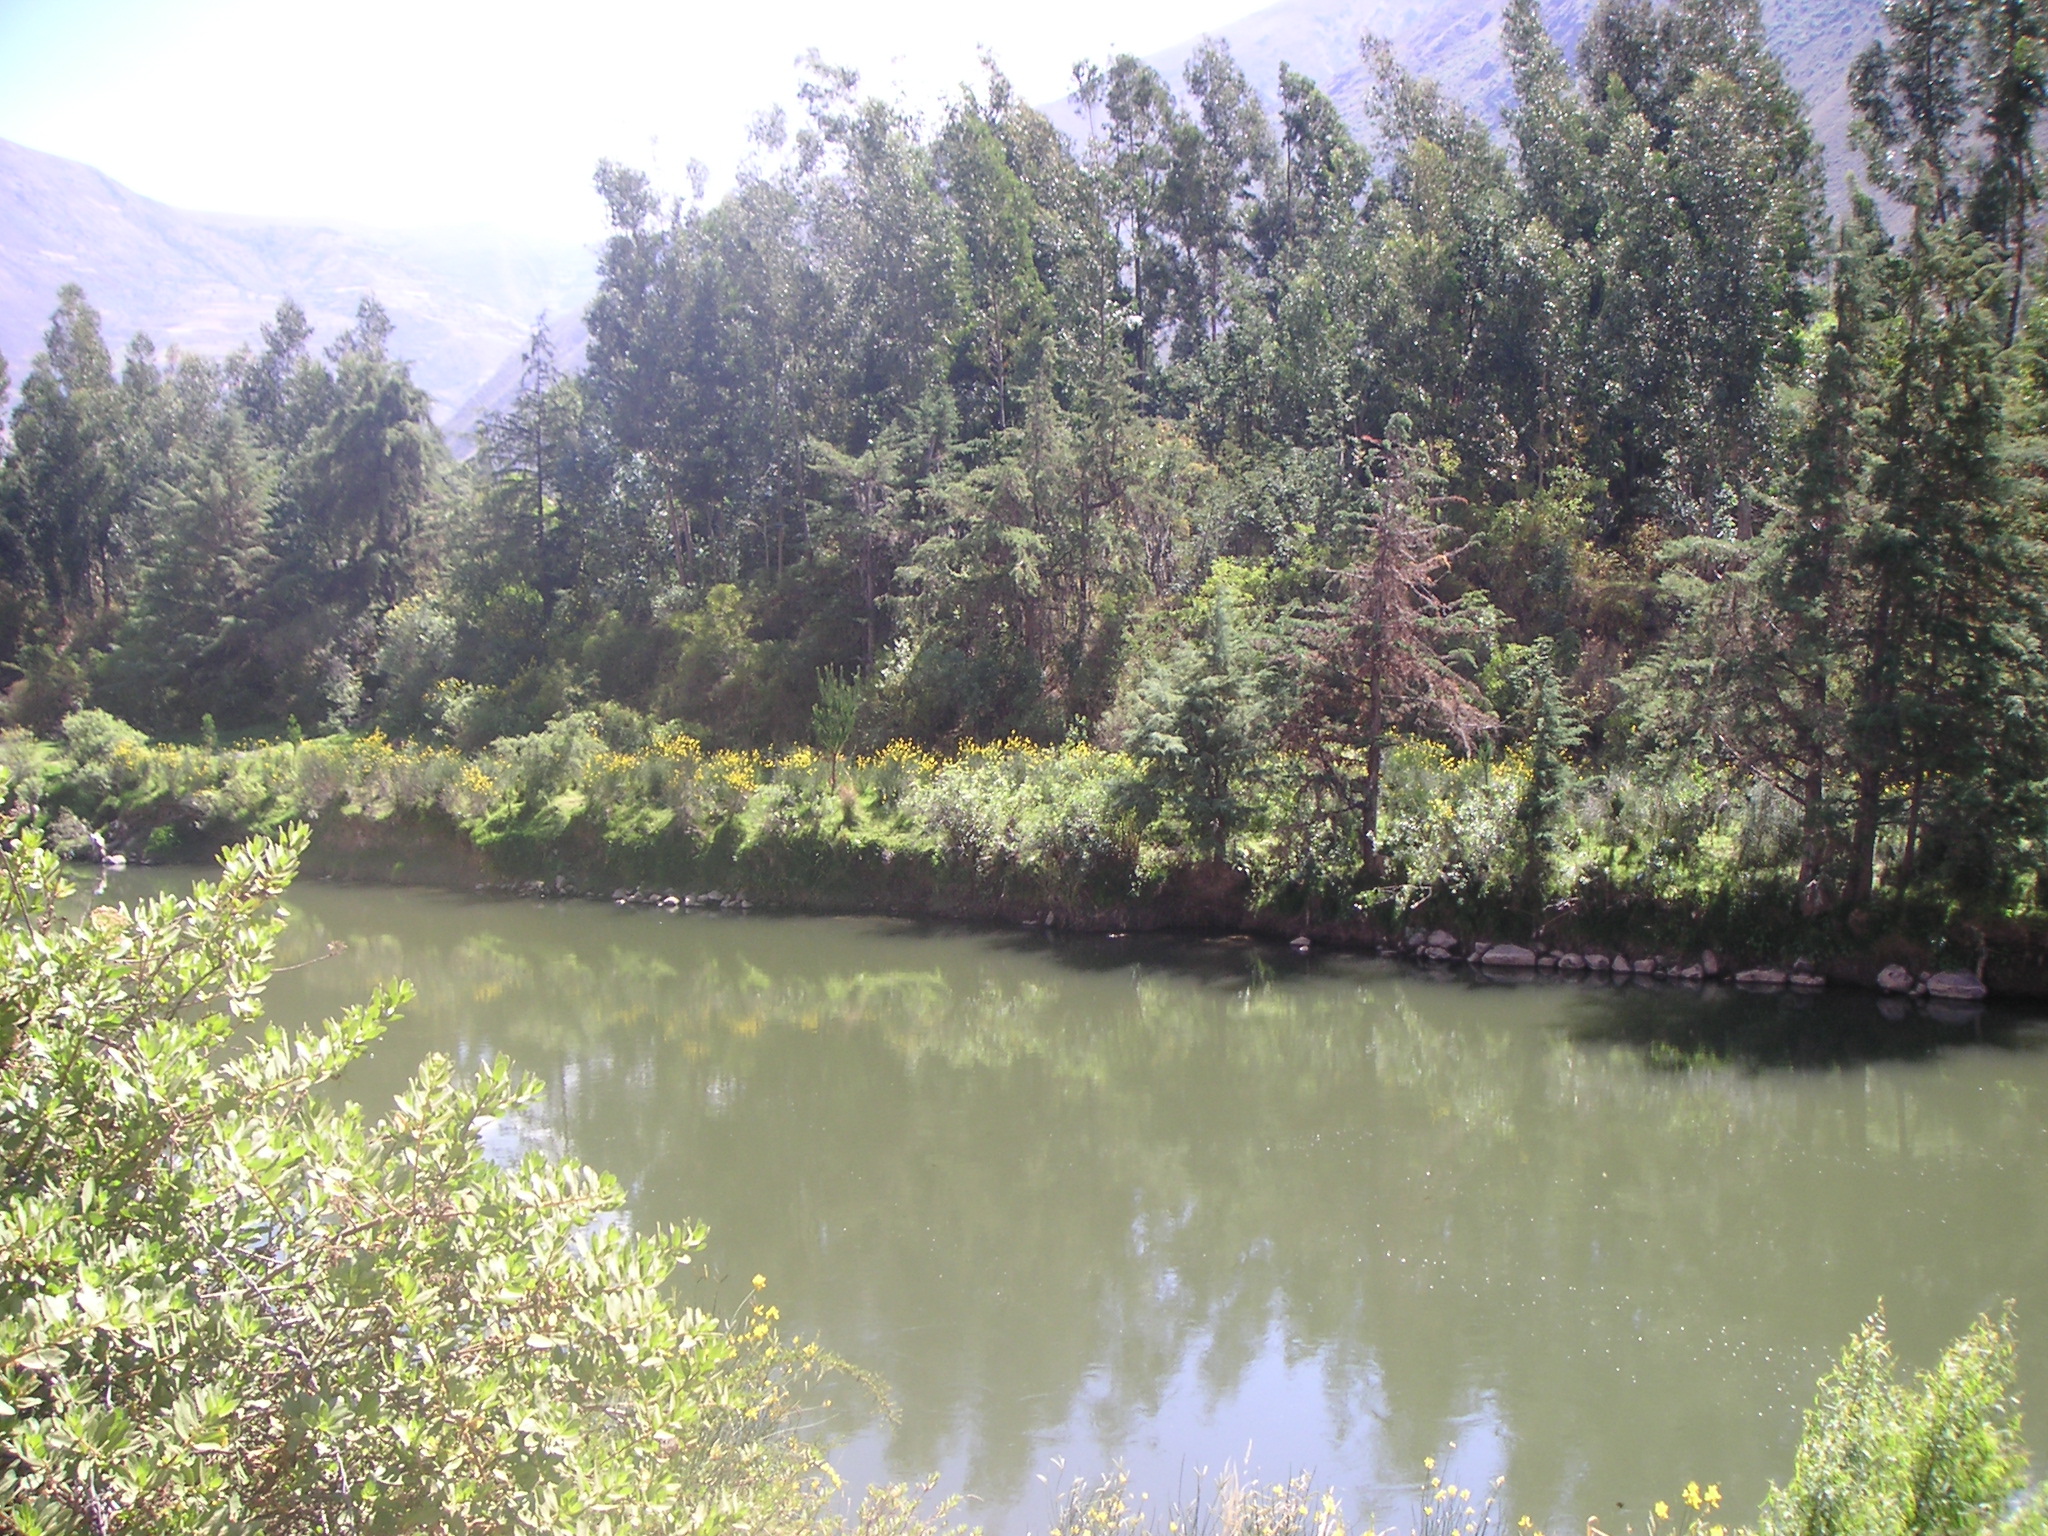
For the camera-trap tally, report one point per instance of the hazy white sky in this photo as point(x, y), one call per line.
point(440, 112)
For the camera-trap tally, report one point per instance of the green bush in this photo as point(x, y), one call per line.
point(229, 1304)
point(1940, 1456)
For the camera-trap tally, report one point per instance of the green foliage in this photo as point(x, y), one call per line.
point(1940, 1456)
point(1063, 819)
point(1196, 728)
point(229, 1303)
point(974, 413)
point(835, 716)
point(1550, 729)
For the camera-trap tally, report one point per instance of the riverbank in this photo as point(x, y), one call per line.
point(1194, 899)
point(1012, 832)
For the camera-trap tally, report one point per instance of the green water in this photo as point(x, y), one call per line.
point(1181, 1205)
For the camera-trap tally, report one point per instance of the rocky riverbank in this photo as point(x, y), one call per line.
point(1204, 900)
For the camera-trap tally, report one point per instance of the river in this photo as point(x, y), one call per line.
point(1178, 1205)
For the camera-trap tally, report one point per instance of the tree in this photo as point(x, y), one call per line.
point(1377, 647)
point(1550, 730)
point(62, 488)
point(1913, 101)
point(1221, 161)
point(1196, 727)
point(522, 448)
point(998, 218)
point(1763, 669)
point(834, 717)
point(2011, 68)
point(1953, 635)
point(871, 484)
point(347, 520)
point(192, 644)
point(1137, 159)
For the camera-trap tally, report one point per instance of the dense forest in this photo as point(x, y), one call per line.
point(1606, 459)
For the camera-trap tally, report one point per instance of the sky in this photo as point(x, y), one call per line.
point(412, 114)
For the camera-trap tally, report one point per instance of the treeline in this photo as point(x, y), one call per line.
point(1226, 437)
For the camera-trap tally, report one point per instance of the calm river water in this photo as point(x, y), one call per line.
point(1178, 1205)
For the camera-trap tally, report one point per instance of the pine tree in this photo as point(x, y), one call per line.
point(1379, 648)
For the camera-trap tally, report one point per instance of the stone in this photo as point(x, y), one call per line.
point(1895, 979)
point(1571, 962)
point(1511, 956)
point(1300, 945)
point(1646, 967)
point(1761, 976)
point(1710, 963)
point(1595, 961)
point(1440, 938)
point(1437, 952)
point(1693, 973)
point(1547, 962)
point(1809, 981)
point(1956, 986)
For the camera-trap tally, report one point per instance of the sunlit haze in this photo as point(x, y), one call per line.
point(443, 112)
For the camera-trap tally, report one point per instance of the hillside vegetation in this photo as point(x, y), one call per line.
point(1586, 498)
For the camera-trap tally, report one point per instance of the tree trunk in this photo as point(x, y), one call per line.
point(1375, 761)
point(1912, 853)
point(1863, 835)
point(679, 537)
point(1813, 827)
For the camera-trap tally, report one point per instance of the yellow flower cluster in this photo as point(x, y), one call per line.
point(1012, 745)
point(677, 746)
point(901, 754)
point(738, 771)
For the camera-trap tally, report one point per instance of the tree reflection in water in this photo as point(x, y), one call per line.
point(1105, 1199)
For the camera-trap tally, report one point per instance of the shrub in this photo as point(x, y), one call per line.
point(1060, 814)
point(1940, 1456)
point(229, 1304)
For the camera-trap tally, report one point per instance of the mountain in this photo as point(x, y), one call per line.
point(571, 340)
point(1457, 43)
point(460, 300)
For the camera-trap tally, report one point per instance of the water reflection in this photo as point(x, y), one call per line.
point(1095, 1199)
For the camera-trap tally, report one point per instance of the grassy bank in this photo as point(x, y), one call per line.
point(605, 802)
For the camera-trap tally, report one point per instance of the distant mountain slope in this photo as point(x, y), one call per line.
point(572, 341)
point(1457, 43)
point(460, 300)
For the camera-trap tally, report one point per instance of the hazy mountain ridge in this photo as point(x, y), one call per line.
point(460, 300)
